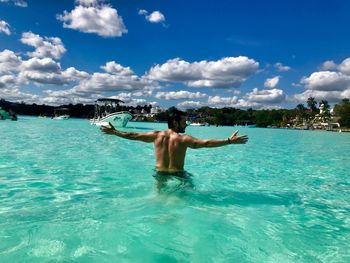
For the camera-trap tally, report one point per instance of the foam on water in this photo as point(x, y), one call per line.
point(70, 193)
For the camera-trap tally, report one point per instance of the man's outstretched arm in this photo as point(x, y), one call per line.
point(200, 143)
point(138, 136)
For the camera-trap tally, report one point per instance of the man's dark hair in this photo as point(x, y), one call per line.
point(174, 115)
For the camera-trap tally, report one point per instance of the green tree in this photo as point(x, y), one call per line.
point(342, 110)
point(312, 104)
point(301, 111)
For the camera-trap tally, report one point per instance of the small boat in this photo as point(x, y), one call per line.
point(61, 114)
point(4, 115)
point(106, 111)
point(197, 124)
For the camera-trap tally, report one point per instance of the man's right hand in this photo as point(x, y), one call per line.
point(234, 139)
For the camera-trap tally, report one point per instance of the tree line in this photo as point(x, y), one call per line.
point(213, 116)
point(269, 118)
point(76, 110)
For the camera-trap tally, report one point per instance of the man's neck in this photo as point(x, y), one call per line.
point(173, 130)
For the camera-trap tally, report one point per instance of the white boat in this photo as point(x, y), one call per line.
point(61, 114)
point(10, 115)
point(4, 115)
point(197, 124)
point(106, 111)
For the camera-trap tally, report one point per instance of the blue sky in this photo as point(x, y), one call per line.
point(260, 54)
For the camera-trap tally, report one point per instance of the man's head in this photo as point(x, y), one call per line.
point(177, 120)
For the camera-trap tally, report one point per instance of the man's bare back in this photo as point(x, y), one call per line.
point(170, 151)
point(170, 147)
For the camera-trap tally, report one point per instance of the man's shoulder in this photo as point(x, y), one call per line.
point(186, 137)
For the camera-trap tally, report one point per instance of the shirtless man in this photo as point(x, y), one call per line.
point(169, 146)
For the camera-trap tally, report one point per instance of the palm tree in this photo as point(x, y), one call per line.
point(311, 103)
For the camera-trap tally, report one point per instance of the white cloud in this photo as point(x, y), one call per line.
point(142, 12)
point(331, 96)
point(44, 47)
point(128, 100)
point(344, 67)
point(72, 74)
point(9, 62)
point(5, 27)
point(190, 104)
point(254, 99)
point(328, 65)
point(14, 94)
point(109, 82)
point(280, 68)
point(114, 68)
point(326, 81)
point(85, 87)
point(155, 17)
point(42, 65)
point(272, 82)
point(47, 71)
point(92, 17)
point(219, 102)
point(266, 96)
point(7, 81)
point(87, 2)
point(182, 94)
point(224, 73)
point(19, 3)
point(327, 85)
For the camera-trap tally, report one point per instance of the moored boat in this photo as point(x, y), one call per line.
point(106, 111)
point(61, 114)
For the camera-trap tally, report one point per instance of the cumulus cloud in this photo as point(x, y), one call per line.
point(14, 94)
point(5, 27)
point(326, 81)
point(328, 65)
point(19, 3)
point(190, 104)
point(51, 47)
point(344, 67)
point(9, 62)
point(272, 82)
point(142, 12)
point(93, 17)
point(48, 71)
point(85, 87)
point(130, 101)
point(87, 2)
point(266, 96)
point(255, 99)
point(332, 84)
point(155, 17)
point(220, 102)
point(118, 79)
point(114, 68)
point(182, 94)
point(35, 70)
point(280, 67)
point(224, 73)
point(331, 96)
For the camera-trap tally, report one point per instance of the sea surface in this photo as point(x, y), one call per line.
point(69, 193)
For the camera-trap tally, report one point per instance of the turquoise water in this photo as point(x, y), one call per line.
point(69, 193)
